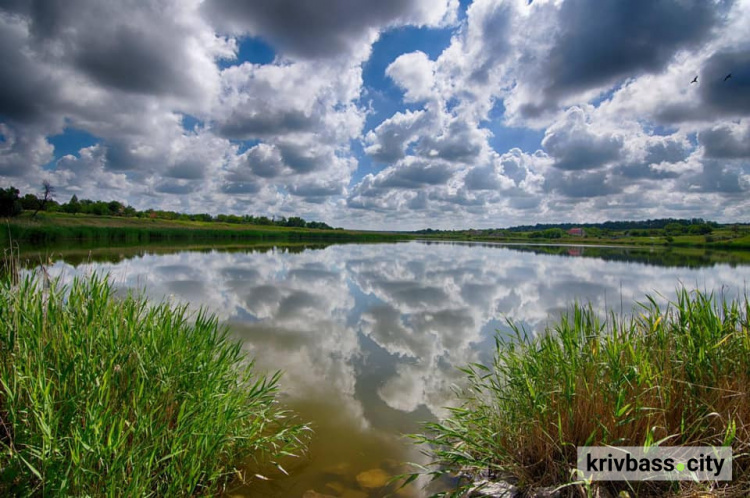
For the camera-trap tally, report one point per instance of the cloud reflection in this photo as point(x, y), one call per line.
point(378, 330)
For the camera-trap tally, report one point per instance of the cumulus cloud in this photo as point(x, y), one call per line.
point(87, 174)
point(269, 100)
point(22, 150)
point(720, 177)
point(328, 28)
point(576, 145)
point(513, 173)
point(27, 87)
point(414, 73)
point(156, 49)
point(388, 142)
point(458, 140)
point(668, 98)
point(584, 185)
point(727, 140)
point(726, 82)
point(410, 173)
point(625, 40)
point(655, 157)
point(263, 160)
point(181, 119)
point(599, 87)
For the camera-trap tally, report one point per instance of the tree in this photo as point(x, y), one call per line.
point(674, 229)
point(73, 206)
point(115, 208)
point(700, 229)
point(201, 217)
point(99, 208)
point(295, 221)
point(47, 192)
point(29, 202)
point(10, 204)
point(553, 233)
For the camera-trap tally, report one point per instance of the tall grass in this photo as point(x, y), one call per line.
point(110, 396)
point(678, 376)
point(141, 231)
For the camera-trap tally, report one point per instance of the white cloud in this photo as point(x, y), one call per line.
point(414, 72)
point(618, 118)
point(576, 145)
point(388, 142)
point(22, 150)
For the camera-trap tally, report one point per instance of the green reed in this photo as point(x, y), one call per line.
point(45, 232)
point(104, 395)
point(674, 376)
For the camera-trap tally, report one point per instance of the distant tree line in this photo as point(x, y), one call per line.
point(618, 226)
point(662, 226)
point(12, 204)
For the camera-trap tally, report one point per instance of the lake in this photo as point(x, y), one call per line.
point(369, 335)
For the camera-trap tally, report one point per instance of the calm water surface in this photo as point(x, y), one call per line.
point(368, 336)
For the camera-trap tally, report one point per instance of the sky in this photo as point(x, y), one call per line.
point(389, 114)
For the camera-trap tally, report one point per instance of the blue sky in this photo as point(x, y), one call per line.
point(70, 141)
point(395, 114)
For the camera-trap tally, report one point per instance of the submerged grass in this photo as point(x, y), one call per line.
point(678, 376)
point(111, 396)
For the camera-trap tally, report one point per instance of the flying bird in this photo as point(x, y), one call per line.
point(727, 76)
point(695, 80)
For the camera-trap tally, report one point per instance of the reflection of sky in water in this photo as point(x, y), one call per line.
point(368, 335)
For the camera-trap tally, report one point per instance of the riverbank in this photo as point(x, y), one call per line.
point(722, 239)
point(105, 395)
point(51, 228)
point(678, 376)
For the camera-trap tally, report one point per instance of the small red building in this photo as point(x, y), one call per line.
point(576, 232)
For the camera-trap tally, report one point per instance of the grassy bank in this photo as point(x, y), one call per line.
point(50, 228)
point(721, 239)
point(106, 396)
point(676, 376)
point(666, 232)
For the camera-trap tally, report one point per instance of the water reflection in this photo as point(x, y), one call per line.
point(369, 335)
